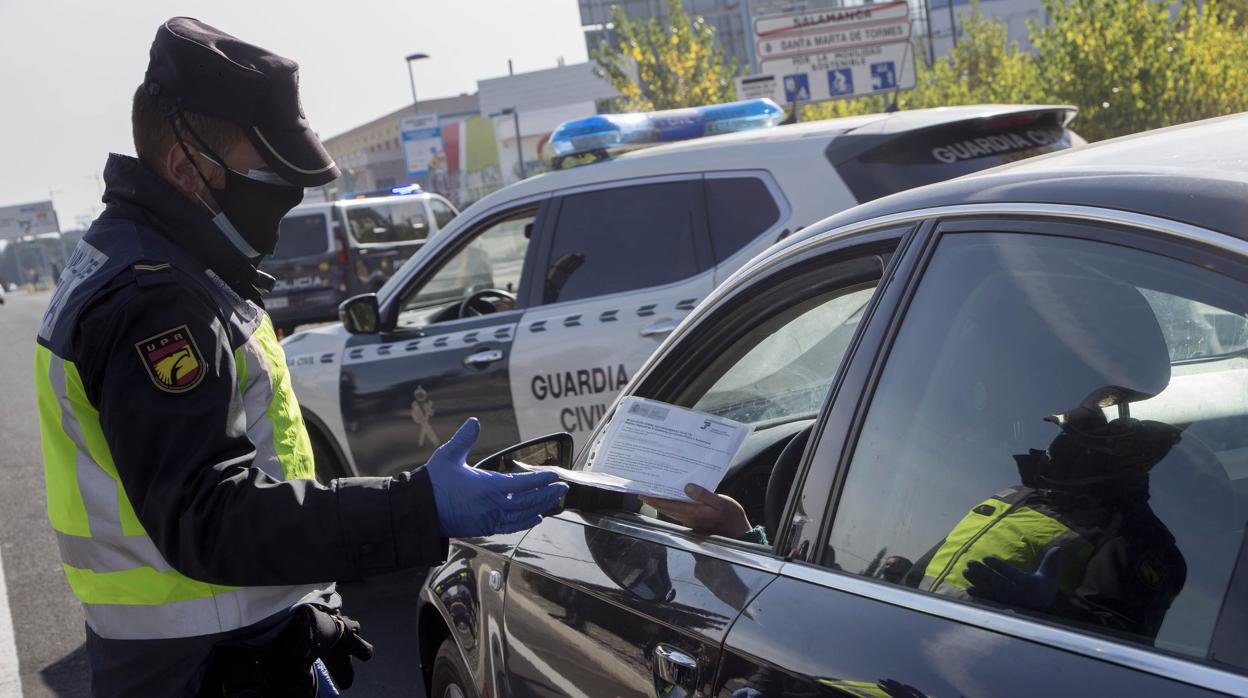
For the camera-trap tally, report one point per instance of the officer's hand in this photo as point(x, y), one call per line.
point(717, 514)
point(475, 502)
point(996, 580)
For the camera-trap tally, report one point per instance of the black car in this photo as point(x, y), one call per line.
point(998, 446)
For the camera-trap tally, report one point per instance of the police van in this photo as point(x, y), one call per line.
point(331, 250)
point(536, 305)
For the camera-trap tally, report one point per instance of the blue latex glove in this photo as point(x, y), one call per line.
point(996, 580)
point(475, 502)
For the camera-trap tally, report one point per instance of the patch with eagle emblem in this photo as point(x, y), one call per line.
point(172, 360)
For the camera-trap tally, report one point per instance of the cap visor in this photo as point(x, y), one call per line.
point(297, 155)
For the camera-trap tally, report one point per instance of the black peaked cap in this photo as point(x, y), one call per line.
point(206, 71)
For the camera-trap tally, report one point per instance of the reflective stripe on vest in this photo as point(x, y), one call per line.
point(1003, 529)
point(128, 589)
point(274, 423)
point(858, 689)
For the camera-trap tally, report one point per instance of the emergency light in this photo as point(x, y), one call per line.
point(400, 190)
point(598, 134)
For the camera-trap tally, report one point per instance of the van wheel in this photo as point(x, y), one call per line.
point(450, 676)
point(327, 465)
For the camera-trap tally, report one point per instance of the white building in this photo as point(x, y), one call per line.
point(536, 102)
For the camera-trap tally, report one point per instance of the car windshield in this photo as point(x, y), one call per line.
point(301, 235)
point(790, 362)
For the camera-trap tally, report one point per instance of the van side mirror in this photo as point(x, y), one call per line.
point(553, 449)
point(360, 314)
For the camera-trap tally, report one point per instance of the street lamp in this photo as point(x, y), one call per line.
point(412, 78)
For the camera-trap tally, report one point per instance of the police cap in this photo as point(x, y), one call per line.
point(204, 70)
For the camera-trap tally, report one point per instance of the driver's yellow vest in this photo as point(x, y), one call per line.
point(1007, 527)
point(127, 588)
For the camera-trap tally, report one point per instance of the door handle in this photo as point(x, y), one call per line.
point(484, 358)
point(659, 328)
point(675, 673)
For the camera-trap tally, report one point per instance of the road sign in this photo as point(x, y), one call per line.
point(846, 52)
point(821, 40)
point(27, 219)
point(422, 144)
point(774, 25)
point(756, 87)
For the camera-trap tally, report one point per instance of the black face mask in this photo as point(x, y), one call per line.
point(252, 205)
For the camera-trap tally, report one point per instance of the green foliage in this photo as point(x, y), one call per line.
point(1129, 65)
point(1132, 66)
point(666, 67)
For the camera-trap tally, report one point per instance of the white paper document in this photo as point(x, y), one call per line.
point(654, 448)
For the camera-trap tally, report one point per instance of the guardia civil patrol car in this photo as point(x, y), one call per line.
point(533, 308)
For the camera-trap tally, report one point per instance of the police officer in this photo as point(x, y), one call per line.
point(180, 479)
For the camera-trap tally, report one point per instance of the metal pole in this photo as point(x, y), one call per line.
point(927, 20)
point(515, 116)
point(953, 24)
point(748, 35)
point(412, 79)
point(21, 268)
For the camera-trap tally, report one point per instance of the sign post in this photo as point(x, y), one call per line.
point(422, 144)
point(834, 54)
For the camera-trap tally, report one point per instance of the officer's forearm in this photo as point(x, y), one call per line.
point(249, 529)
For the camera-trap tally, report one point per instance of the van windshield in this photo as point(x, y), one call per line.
point(302, 236)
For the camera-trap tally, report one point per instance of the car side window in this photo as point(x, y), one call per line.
point(369, 224)
point(620, 239)
point(491, 258)
point(1060, 431)
point(738, 210)
point(407, 222)
point(442, 213)
point(778, 349)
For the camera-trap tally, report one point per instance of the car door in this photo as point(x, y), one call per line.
point(406, 389)
point(610, 598)
point(624, 263)
point(1029, 480)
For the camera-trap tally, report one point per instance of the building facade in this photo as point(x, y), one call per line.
point(488, 139)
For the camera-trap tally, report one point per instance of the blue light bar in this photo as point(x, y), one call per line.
point(412, 188)
point(606, 131)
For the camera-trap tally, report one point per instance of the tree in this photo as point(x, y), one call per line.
point(1129, 65)
point(659, 66)
point(1132, 66)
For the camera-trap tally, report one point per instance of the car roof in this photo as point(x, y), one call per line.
point(1194, 173)
point(718, 152)
point(318, 205)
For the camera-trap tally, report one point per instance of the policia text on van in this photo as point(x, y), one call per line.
point(179, 471)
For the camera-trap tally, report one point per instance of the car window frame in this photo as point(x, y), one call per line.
point(669, 374)
point(847, 412)
point(445, 248)
point(703, 258)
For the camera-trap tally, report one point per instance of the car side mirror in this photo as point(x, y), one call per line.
point(552, 449)
point(360, 314)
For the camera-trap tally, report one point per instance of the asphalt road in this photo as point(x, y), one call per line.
point(47, 619)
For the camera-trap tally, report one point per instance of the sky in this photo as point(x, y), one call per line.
point(68, 69)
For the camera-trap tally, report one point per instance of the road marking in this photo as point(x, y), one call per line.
point(10, 675)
